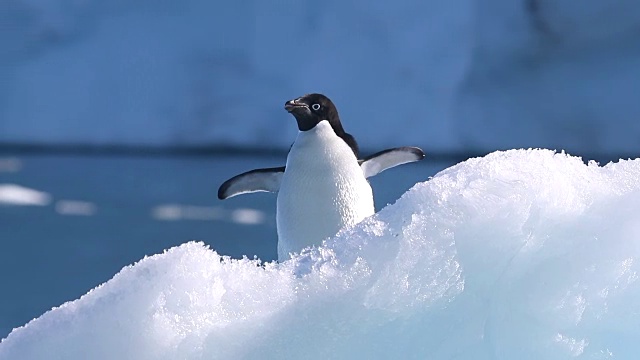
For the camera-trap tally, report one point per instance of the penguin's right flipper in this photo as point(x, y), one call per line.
point(258, 180)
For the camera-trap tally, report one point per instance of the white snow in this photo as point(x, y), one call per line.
point(524, 254)
point(452, 75)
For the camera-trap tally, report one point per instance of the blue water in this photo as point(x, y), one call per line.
point(49, 258)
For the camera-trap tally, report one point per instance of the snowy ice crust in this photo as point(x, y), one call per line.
point(524, 254)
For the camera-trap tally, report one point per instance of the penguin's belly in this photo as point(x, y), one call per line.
point(323, 190)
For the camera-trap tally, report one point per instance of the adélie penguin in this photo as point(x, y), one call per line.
point(323, 186)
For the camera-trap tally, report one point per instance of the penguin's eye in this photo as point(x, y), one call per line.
point(315, 107)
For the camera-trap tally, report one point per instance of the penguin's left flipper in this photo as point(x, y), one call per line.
point(386, 159)
point(258, 180)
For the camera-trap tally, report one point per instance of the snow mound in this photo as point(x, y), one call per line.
point(524, 254)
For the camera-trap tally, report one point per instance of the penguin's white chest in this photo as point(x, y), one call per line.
point(323, 190)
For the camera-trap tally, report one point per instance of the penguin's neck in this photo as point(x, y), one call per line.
point(322, 140)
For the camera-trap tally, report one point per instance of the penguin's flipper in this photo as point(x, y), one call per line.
point(386, 159)
point(258, 180)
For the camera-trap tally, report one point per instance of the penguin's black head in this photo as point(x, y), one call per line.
point(310, 109)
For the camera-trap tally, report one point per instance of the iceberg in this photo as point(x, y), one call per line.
point(522, 254)
point(460, 75)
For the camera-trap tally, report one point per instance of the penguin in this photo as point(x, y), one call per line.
point(323, 187)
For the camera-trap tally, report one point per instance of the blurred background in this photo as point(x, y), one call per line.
point(120, 119)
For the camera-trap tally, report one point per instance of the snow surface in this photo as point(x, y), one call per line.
point(524, 254)
point(453, 75)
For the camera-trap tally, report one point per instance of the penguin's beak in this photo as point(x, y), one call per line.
point(293, 105)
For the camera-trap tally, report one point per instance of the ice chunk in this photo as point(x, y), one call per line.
point(524, 254)
point(12, 194)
